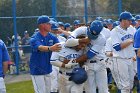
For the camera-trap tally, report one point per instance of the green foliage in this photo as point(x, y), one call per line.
point(44, 7)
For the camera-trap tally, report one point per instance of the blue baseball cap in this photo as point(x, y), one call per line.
point(99, 18)
point(76, 22)
point(67, 25)
point(53, 19)
point(116, 23)
point(109, 21)
point(61, 23)
point(125, 16)
point(55, 26)
point(43, 19)
point(137, 17)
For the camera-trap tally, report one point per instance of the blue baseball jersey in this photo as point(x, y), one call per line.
point(137, 46)
point(137, 39)
point(40, 60)
point(4, 56)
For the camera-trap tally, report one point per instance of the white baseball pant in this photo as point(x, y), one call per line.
point(123, 74)
point(2, 85)
point(41, 83)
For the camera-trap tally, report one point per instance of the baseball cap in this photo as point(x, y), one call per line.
point(125, 16)
point(99, 18)
point(55, 26)
point(43, 19)
point(67, 25)
point(61, 23)
point(137, 17)
point(109, 21)
point(76, 22)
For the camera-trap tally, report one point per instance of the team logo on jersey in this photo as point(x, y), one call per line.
point(50, 42)
point(72, 56)
point(129, 36)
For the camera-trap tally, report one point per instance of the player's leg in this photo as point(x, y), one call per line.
point(131, 75)
point(90, 85)
point(120, 74)
point(101, 75)
point(77, 88)
point(62, 83)
point(41, 83)
point(54, 79)
point(2, 85)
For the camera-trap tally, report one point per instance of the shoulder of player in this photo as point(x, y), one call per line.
point(79, 31)
point(1, 43)
point(100, 40)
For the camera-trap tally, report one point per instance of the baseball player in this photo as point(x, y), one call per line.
point(76, 24)
point(137, 50)
point(94, 58)
point(57, 59)
point(123, 52)
point(55, 70)
point(42, 44)
point(137, 18)
point(4, 58)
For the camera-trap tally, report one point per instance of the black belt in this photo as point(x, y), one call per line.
point(69, 74)
point(94, 61)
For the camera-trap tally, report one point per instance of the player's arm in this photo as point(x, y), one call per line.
point(138, 52)
point(126, 43)
point(64, 32)
point(5, 67)
point(74, 42)
point(5, 59)
point(55, 47)
point(109, 53)
point(120, 46)
point(62, 64)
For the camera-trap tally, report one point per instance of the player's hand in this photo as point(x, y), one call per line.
point(85, 67)
point(130, 40)
point(55, 47)
point(138, 53)
point(70, 65)
point(69, 61)
point(134, 58)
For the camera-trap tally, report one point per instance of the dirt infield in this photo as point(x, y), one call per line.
point(17, 78)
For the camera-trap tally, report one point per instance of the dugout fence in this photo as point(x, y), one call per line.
point(20, 18)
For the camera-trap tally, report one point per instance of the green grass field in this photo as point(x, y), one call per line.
point(20, 87)
point(27, 87)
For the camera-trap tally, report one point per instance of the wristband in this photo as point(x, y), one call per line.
point(49, 48)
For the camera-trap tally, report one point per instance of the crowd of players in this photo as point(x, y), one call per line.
point(104, 48)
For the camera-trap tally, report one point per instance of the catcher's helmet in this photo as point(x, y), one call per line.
point(94, 29)
point(79, 75)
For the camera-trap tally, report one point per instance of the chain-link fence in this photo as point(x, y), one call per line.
point(66, 11)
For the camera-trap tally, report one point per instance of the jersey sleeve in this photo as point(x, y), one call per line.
point(96, 48)
point(57, 55)
point(35, 43)
point(79, 31)
point(108, 45)
point(137, 39)
point(5, 55)
point(115, 40)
